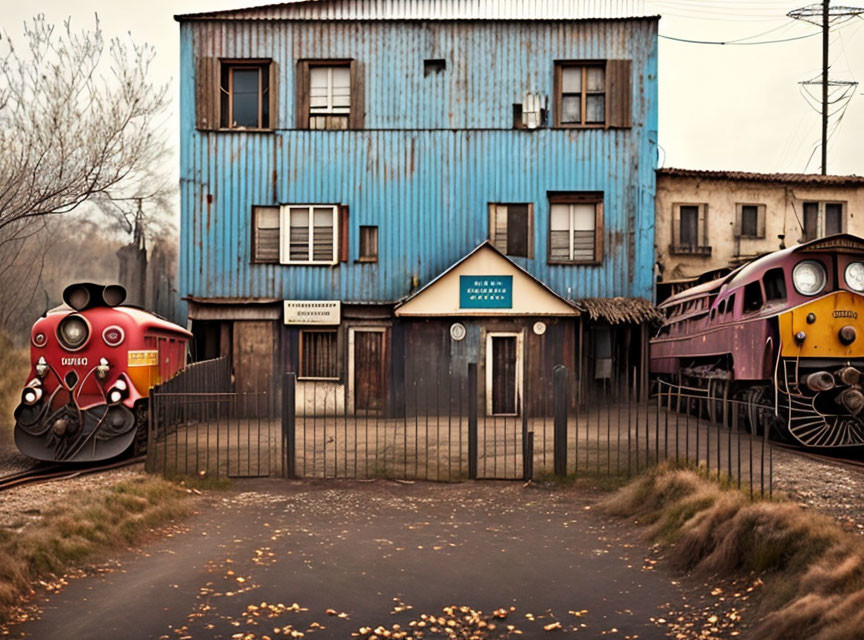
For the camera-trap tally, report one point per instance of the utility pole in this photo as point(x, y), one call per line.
point(826, 27)
point(823, 15)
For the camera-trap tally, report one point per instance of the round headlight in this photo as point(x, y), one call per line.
point(809, 277)
point(855, 275)
point(73, 332)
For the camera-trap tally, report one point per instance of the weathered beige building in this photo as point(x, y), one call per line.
point(708, 220)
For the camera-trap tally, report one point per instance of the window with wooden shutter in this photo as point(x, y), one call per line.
point(310, 234)
point(750, 220)
point(823, 219)
point(265, 238)
point(329, 95)
point(576, 228)
point(368, 244)
point(593, 93)
point(319, 355)
point(511, 229)
point(690, 230)
point(238, 95)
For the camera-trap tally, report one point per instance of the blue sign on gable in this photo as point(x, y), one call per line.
point(485, 292)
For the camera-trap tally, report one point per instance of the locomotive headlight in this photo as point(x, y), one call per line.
point(73, 332)
point(115, 396)
point(809, 277)
point(855, 276)
point(102, 369)
point(32, 393)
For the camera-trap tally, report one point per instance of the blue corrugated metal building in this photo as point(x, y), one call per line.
point(338, 156)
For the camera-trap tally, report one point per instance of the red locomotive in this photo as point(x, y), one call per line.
point(785, 334)
point(93, 365)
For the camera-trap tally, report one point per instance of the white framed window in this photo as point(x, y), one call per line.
point(329, 96)
point(575, 230)
point(310, 234)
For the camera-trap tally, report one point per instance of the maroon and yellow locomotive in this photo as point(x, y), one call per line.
point(785, 334)
point(93, 363)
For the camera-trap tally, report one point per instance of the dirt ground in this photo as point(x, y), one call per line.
point(324, 559)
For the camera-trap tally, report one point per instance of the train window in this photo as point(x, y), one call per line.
point(752, 297)
point(722, 308)
point(775, 284)
point(730, 304)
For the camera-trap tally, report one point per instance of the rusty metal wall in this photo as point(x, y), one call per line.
point(434, 152)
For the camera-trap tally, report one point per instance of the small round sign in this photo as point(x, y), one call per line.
point(457, 331)
point(539, 328)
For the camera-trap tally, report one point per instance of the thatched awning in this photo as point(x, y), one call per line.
point(620, 310)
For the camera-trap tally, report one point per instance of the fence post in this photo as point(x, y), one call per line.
point(289, 409)
point(529, 457)
point(472, 420)
point(526, 466)
point(559, 401)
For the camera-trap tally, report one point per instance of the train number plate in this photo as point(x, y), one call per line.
point(143, 358)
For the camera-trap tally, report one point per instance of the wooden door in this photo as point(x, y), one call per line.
point(370, 370)
point(504, 375)
point(254, 346)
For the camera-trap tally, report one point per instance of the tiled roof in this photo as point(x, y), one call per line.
point(433, 10)
point(746, 176)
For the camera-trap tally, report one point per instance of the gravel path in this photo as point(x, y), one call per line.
point(11, 460)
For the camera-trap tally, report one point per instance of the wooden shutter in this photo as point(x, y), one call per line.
point(703, 225)
point(760, 221)
point(598, 233)
point(676, 225)
point(207, 93)
point(343, 233)
point(530, 230)
point(739, 220)
point(619, 93)
point(358, 103)
point(301, 100)
point(274, 95)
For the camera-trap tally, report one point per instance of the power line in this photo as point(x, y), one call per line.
point(737, 42)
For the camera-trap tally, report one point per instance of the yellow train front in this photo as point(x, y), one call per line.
point(785, 334)
point(93, 363)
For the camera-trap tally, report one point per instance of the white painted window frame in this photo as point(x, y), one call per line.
point(285, 234)
point(330, 109)
point(519, 335)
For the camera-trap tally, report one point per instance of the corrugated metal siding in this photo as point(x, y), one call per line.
point(433, 10)
point(427, 189)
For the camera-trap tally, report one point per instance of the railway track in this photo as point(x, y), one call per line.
point(58, 472)
point(855, 465)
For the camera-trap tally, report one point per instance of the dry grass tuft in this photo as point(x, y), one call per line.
point(814, 570)
point(80, 529)
point(13, 373)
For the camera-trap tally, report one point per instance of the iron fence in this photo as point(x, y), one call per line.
point(440, 429)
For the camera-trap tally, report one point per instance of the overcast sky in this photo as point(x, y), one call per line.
point(721, 107)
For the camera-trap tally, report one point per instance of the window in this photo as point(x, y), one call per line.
point(511, 229)
point(750, 220)
point(265, 234)
point(594, 93)
point(823, 219)
point(583, 94)
point(245, 95)
point(368, 244)
point(575, 228)
point(775, 284)
point(689, 230)
point(752, 297)
point(329, 95)
point(432, 67)
point(318, 355)
point(310, 234)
